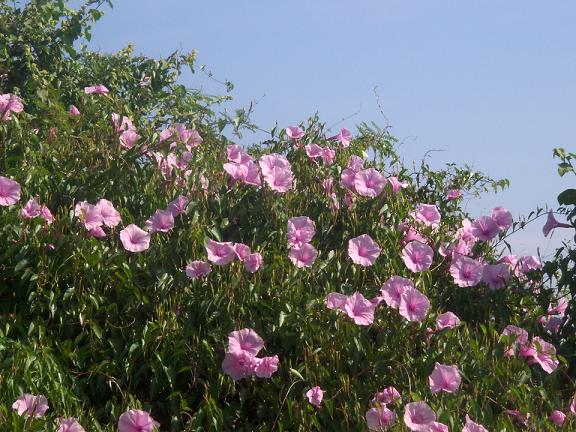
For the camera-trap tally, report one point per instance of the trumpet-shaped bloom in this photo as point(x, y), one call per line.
point(245, 340)
point(303, 255)
point(242, 251)
point(335, 300)
point(369, 182)
point(236, 154)
point(110, 216)
point(485, 229)
point(413, 305)
point(31, 209)
point(161, 221)
point(363, 250)
point(178, 206)
point(69, 425)
point(9, 103)
point(466, 272)
point(343, 137)
point(560, 307)
point(380, 418)
point(541, 352)
point(239, 364)
point(253, 262)
point(470, 426)
point(31, 405)
point(444, 378)
point(96, 89)
point(453, 194)
point(529, 263)
point(396, 184)
point(97, 232)
point(294, 132)
point(90, 216)
point(220, 253)
point(136, 421)
point(128, 138)
point(447, 320)
point(360, 309)
point(73, 111)
point(315, 396)
point(266, 366)
point(417, 256)
point(502, 217)
point(557, 417)
point(134, 239)
point(9, 191)
point(552, 223)
point(496, 276)
point(427, 214)
point(198, 269)
point(393, 288)
point(301, 229)
point(122, 124)
point(386, 396)
point(418, 416)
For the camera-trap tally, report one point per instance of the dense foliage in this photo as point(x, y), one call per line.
point(100, 318)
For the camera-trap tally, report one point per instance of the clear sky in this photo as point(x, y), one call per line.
point(491, 83)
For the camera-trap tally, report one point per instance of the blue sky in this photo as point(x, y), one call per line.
point(489, 83)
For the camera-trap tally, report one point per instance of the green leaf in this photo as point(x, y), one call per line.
point(568, 197)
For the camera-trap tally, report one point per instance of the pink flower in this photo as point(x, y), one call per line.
point(363, 250)
point(344, 137)
point(393, 288)
point(90, 216)
point(428, 215)
point(220, 253)
point(121, 125)
point(517, 337)
point(313, 150)
point(46, 214)
point(9, 191)
point(9, 103)
point(447, 320)
point(96, 89)
point(189, 137)
point(444, 378)
point(128, 138)
point(31, 209)
point(347, 179)
point(413, 305)
point(315, 396)
point(529, 263)
point(386, 396)
point(541, 352)
point(253, 262)
point(178, 206)
point(110, 216)
point(485, 228)
point(245, 340)
point(502, 217)
point(380, 418)
point(360, 309)
point(69, 425)
point(412, 235)
point(560, 307)
point(473, 427)
point(266, 366)
point(74, 111)
point(495, 276)
point(557, 417)
point(242, 250)
point(161, 221)
point(198, 269)
point(31, 405)
point(97, 232)
point(303, 255)
point(551, 323)
point(552, 223)
point(237, 154)
point(417, 256)
point(239, 364)
point(453, 194)
point(573, 406)
point(301, 229)
point(294, 132)
point(269, 162)
point(466, 272)
point(396, 184)
point(335, 301)
point(134, 239)
point(369, 182)
point(279, 179)
point(418, 416)
point(437, 427)
point(136, 421)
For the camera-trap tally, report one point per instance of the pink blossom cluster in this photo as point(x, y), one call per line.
point(32, 406)
point(126, 130)
point(33, 210)
point(95, 216)
point(240, 360)
point(277, 172)
point(315, 151)
point(536, 351)
point(400, 293)
point(241, 167)
point(356, 306)
point(9, 104)
point(300, 231)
